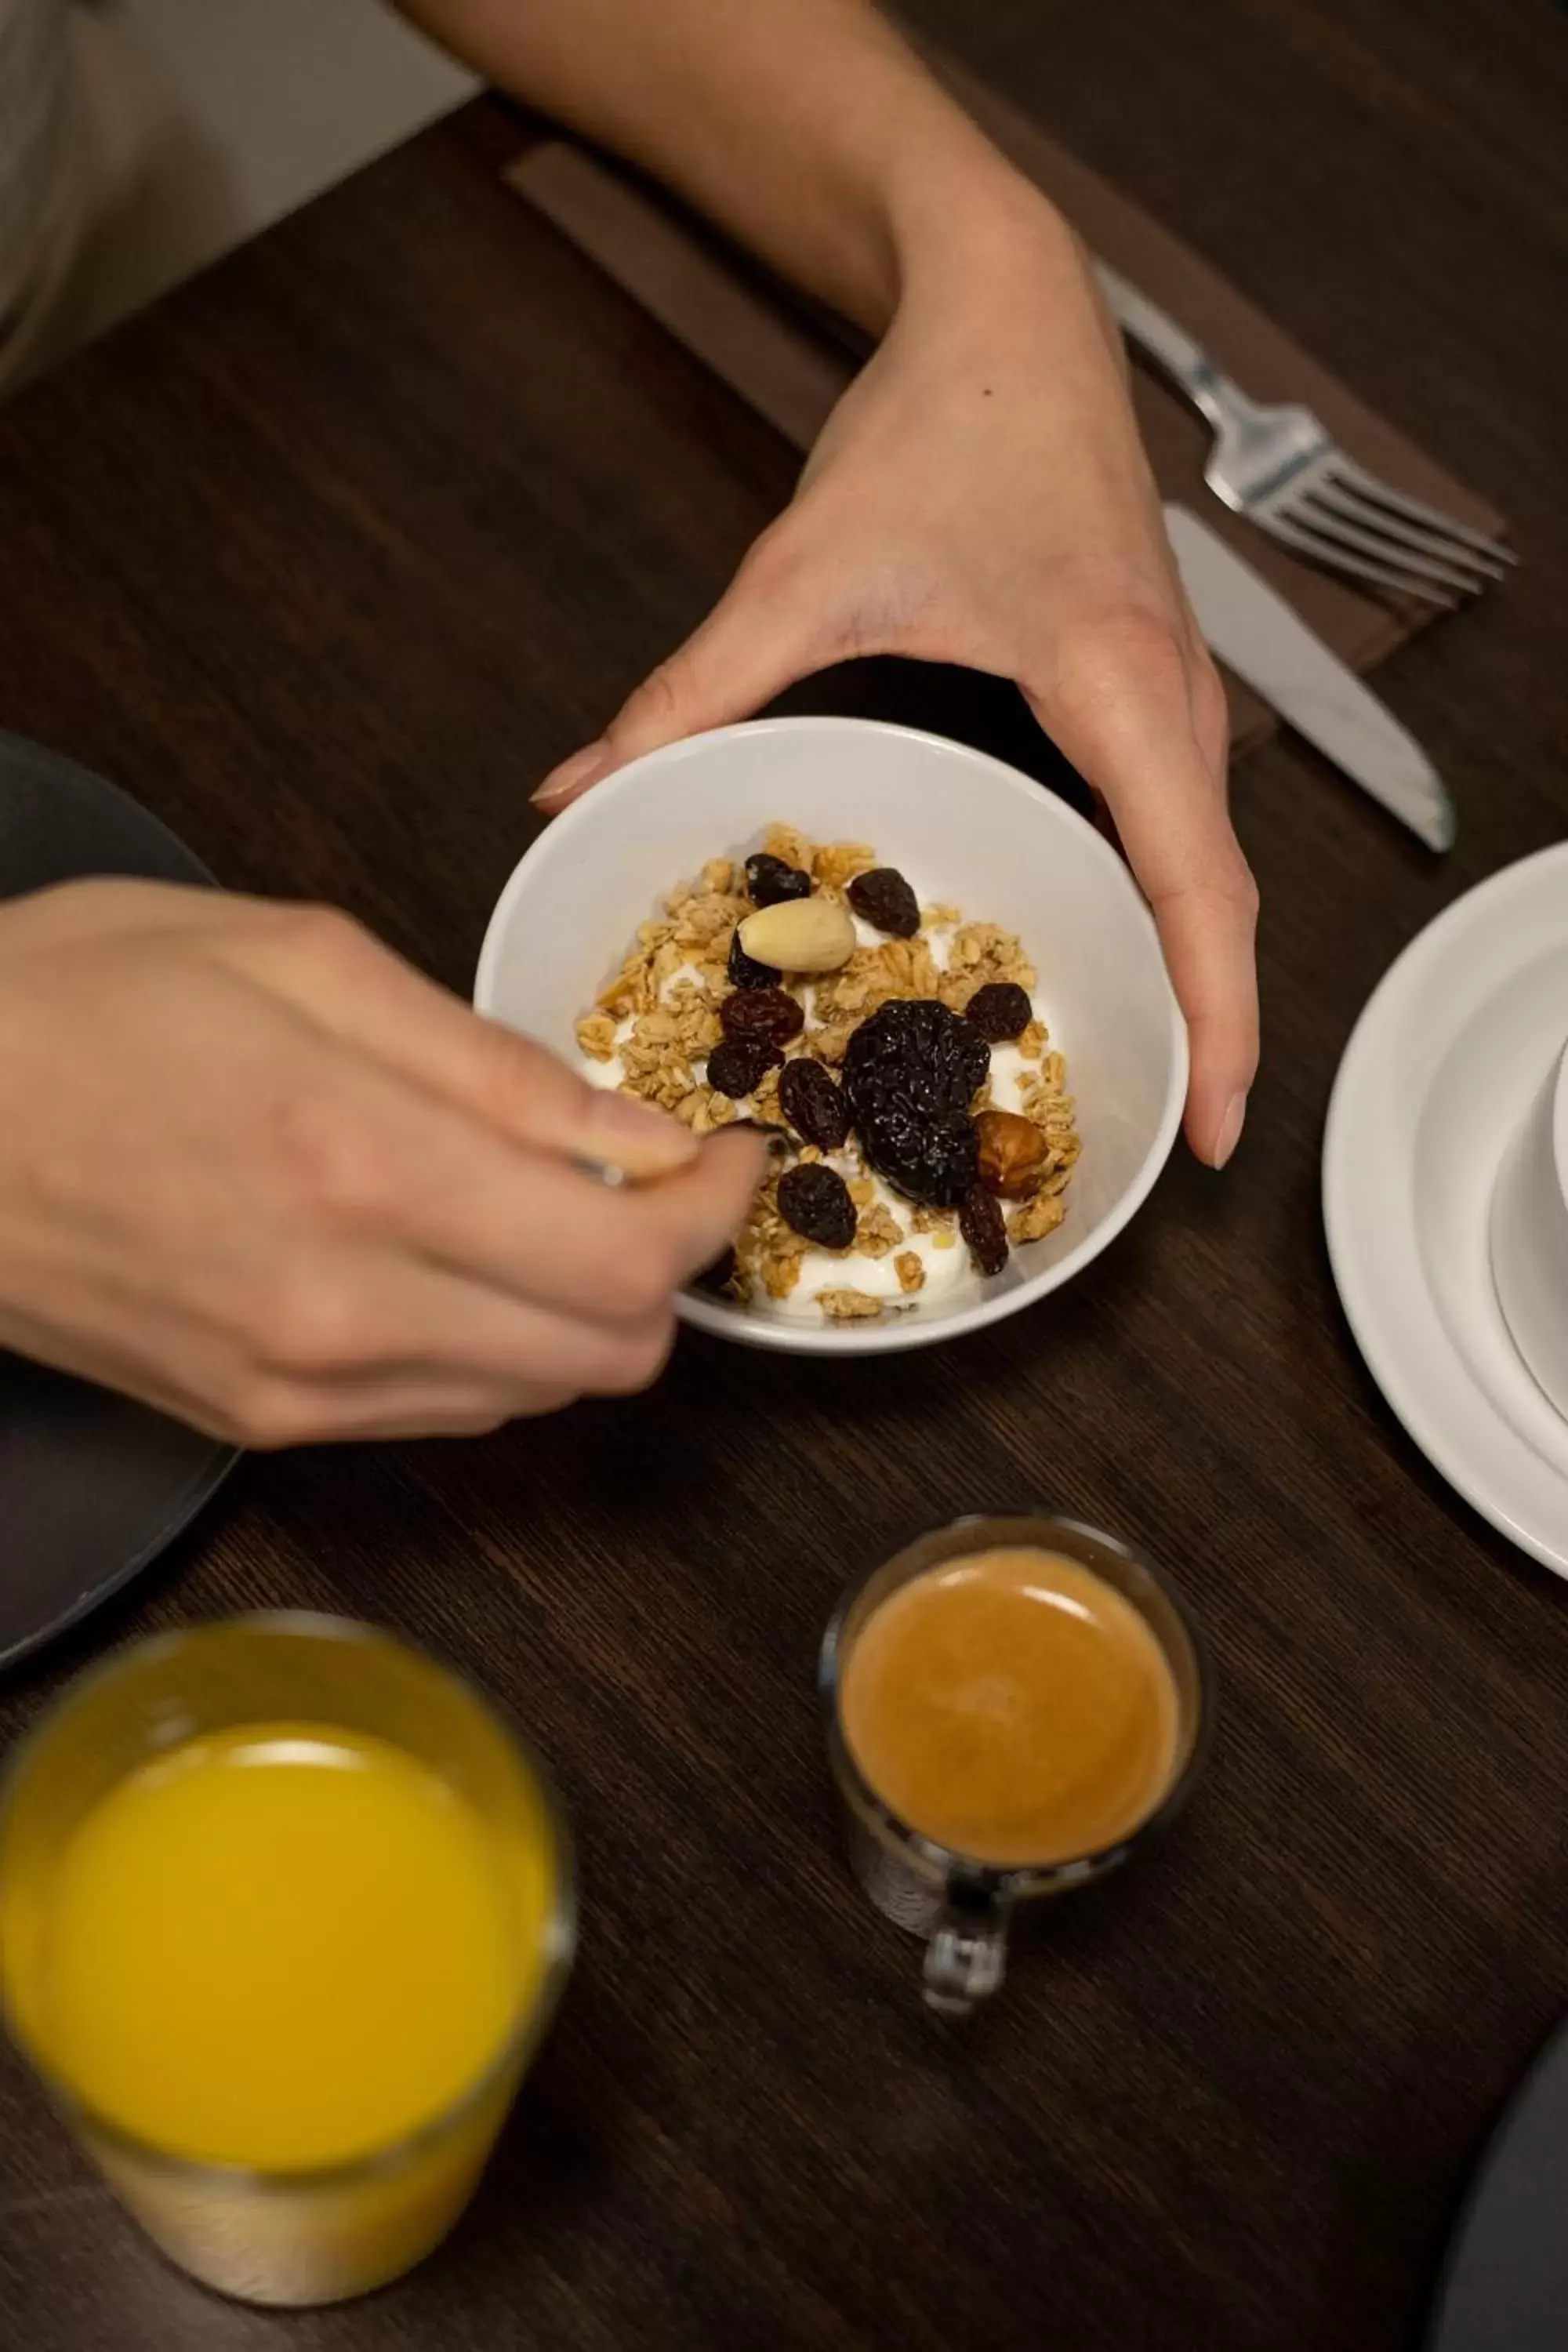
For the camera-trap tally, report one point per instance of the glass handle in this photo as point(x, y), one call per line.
point(966, 1958)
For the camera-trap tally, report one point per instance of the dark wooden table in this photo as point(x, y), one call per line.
point(327, 559)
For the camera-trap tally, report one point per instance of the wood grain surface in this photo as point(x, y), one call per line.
point(327, 559)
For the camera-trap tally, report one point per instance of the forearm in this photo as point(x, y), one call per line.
point(804, 127)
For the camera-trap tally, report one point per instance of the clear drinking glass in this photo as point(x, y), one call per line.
point(316, 2236)
point(962, 1907)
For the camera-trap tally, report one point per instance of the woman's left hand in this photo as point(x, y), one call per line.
point(981, 496)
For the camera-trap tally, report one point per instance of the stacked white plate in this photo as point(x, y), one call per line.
point(1439, 1078)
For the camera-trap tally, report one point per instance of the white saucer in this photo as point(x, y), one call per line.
point(1438, 1073)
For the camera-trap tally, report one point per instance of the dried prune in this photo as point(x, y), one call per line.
point(1000, 1010)
point(910, 1073)
point(718, 1280)
point(932, 1161)
point(885, 899)
point(737, 1066)
point(761, 1015)
point(915, 1056)
point(769, 879)
point(745, 972)
point(813, 1104)
point(815, 1202)
point(980, 1223)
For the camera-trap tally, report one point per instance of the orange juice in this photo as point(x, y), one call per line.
point(283, 1947)
point(283, 1975)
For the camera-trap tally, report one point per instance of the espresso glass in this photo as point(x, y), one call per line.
point(962, 1907)
point(279, 2237)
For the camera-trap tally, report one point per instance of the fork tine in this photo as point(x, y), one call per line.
point(1340, 558)
point(1372, 487)
point(1354, 507)
point(1385, 549)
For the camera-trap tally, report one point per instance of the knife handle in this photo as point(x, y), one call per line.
point(1156, 334)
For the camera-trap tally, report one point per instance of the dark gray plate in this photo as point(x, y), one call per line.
point(91, 1486)
point(1505, 2285)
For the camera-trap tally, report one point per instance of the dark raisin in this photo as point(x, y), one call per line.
point(815, 1202)
point(999, 1010)
point(745, 972)
point(737, 1067)
point(813, 1104)
point(885, 899)
point(718, 1280)
point(769, 879)
point(933, 1161)
point(980, 1223)
point(766, 1015)
point(915, 1056)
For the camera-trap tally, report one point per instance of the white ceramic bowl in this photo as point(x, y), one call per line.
point(968, 832)
point(1530, 1235)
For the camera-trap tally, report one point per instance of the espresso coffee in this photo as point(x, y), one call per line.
point(1013, 1707)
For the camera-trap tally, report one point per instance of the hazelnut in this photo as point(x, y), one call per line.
point(1012, 1154)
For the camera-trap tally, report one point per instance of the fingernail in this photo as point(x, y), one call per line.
point(572, 777)
point(773, 1140)
point(1229, 1134)
point(623, 1118)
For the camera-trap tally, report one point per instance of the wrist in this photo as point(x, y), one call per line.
point(961, 237)
point(929, 204)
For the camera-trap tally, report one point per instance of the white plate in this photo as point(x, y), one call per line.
point(1438, 1073)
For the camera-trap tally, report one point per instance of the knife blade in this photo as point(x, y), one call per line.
point(1258, 635)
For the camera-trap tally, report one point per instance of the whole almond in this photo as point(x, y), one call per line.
point(800, 935)
point(1012, 1154)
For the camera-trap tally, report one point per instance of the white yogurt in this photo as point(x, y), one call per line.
point(608, 1074)
point(1008, 1070)
point(945, 1269)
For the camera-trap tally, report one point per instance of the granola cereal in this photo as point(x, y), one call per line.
point(848, 1305)
point(658, 1019)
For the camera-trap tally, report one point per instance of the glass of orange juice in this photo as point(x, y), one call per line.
point(1014, 1706)
point(285, 1909)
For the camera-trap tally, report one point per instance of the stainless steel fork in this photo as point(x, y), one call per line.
point(1283, 469)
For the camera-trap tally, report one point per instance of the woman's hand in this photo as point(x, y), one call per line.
point(258, 1173)
point(981, 496)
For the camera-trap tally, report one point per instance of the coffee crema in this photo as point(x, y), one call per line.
point(1014, 1708)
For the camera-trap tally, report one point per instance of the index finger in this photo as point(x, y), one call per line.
point(344, 980)
point(527, 1223)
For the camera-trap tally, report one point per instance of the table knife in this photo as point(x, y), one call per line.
point(1258, 635)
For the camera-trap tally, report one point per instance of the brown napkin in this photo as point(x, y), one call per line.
point(792, 369)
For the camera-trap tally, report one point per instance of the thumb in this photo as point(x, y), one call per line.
point(752, 646)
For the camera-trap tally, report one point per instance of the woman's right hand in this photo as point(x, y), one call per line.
point(258, 1171)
